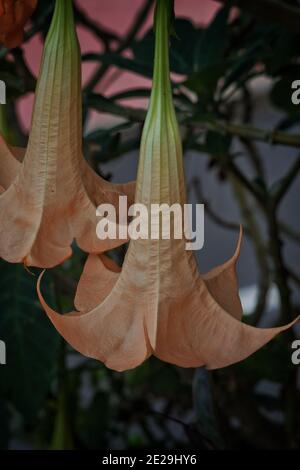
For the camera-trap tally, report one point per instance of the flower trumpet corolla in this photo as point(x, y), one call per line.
point(159, 303)
point(53, 197)
point(13, 16)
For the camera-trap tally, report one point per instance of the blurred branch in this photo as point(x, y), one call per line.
point(202, 441)
point(228, 165)
point(105, 105)
point(23, 70)
point(273, 10)
point(281, 272)
point(294, 276)
point(249, 414)
point(290, 232)
point(137, 24)
point(286, 181)
point(215, 217)
point(250, 146)
point(243, 131)
point(40, 21)
point(103, 34)
point(271, 137)
point(248, 214)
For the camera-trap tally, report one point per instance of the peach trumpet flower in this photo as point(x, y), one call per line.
point(13, 17)
point(159, 303)
point(52, 195)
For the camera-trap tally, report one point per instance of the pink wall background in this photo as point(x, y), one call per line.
point(116, 15)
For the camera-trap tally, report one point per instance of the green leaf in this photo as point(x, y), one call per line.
point(209, 56)
point(241, 67)
point(132, 93)
point(284, 48)
point(62, 438)
point(182, 48)
point(212, 43)
point(218, 144)
point(205, 81)
point(93, 422)
point(106, 105)
point(124, 63)
point(205, 410)
point(101, 135)
point(4, 426)
point(31, 342)
point(14, 83)
point(143, 50)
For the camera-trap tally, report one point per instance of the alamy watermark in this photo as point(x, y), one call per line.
point(2, 353)
point(155, 222)
point(2, 92)
point(296, 354)
point(2, 343)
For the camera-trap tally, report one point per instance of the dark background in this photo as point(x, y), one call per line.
point(237, 69)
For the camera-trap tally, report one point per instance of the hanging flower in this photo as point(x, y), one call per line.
point(54, 195)
point(159, 303)
point(13, 17)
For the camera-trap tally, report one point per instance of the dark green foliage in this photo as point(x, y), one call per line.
point(31, 342)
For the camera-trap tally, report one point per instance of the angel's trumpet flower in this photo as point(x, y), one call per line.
point(13, 16)
point(159, 304)
point(54, 195)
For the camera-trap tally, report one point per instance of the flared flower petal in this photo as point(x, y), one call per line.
point(159, 303)
point(13, 17)
point(53, 198)
point(9, 165)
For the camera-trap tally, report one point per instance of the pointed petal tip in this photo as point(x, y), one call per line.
point(239, 243)
point(41, 275)
point(27, 269)
point(98, 278)
point(222, 283)
point(256, 339)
